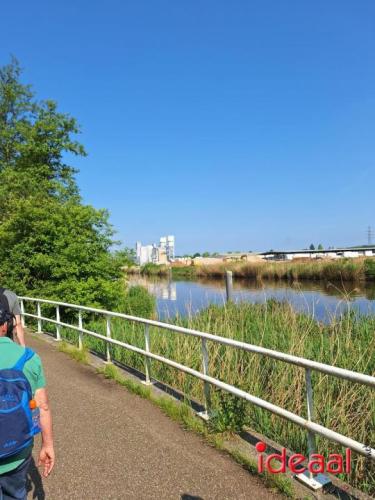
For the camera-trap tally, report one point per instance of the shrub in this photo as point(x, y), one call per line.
point(230, 415)
point(151, 269)
point(370, 268)
point(138, 302)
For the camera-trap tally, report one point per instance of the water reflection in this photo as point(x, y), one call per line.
point(322, 300)
point(161, 289)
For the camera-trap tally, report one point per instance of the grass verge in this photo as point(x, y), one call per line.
point(80, 355)
point(281, 483)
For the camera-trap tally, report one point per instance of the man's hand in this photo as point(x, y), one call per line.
point(47, 454)
point(46, 459)
point(19, 331)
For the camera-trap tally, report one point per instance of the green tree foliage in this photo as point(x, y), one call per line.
point(320, 247)
point(125, 257)
point(312, 246)
point(52, 245)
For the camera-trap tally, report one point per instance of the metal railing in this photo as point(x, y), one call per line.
point(307, 423)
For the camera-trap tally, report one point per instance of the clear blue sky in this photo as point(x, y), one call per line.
point(242, 125)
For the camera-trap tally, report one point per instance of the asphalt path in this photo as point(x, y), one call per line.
point(112, 444)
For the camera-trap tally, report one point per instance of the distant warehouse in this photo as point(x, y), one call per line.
point(335, 253)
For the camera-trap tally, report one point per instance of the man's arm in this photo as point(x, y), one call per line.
point(47, 453)
point(19, 330)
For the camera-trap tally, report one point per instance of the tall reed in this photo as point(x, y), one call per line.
point(344, 269)
point(306, 269)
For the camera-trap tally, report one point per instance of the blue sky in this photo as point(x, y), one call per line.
point(243, 125)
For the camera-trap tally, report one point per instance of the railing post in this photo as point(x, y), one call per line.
point(80, 334)
point(311, 442)
point(22, 314)
point(206, 386)
point(58, 335)
point(147, 359)
point(314, 481)
point(108, 334)
point(39, 315)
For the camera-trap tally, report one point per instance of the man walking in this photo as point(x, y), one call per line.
point(17, 430)
point(9, 301)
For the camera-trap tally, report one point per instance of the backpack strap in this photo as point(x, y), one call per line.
point(28, 354)
point(5, 303)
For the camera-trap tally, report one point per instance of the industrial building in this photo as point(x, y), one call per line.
point(167, 244)
point(336, 253)
point(156, 254)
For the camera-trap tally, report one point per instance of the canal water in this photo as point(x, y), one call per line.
point(323, 301)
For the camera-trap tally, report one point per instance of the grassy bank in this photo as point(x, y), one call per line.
point(349, 343)
point(331, 270)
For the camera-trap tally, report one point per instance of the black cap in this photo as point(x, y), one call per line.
point(5, 316)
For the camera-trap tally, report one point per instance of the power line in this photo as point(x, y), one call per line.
point(370, 234)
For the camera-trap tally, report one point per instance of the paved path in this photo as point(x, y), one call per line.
point(111, 444)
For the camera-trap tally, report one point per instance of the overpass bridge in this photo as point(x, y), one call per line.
point(111, 444)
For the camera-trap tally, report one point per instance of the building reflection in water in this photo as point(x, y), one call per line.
point(166, 290)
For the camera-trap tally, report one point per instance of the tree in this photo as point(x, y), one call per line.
point(51, 244)
point(206, 254)
point(312, 247)
point(320, 247)
point(196, 255)
point(125, 257)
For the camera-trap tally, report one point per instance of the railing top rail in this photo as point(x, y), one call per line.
point(287, 358)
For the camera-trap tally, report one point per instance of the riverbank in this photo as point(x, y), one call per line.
point(359, 269)
point(348, 342)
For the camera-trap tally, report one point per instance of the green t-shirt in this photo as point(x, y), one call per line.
point(10, 353)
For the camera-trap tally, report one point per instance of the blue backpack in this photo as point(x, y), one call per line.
point(17, 426)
